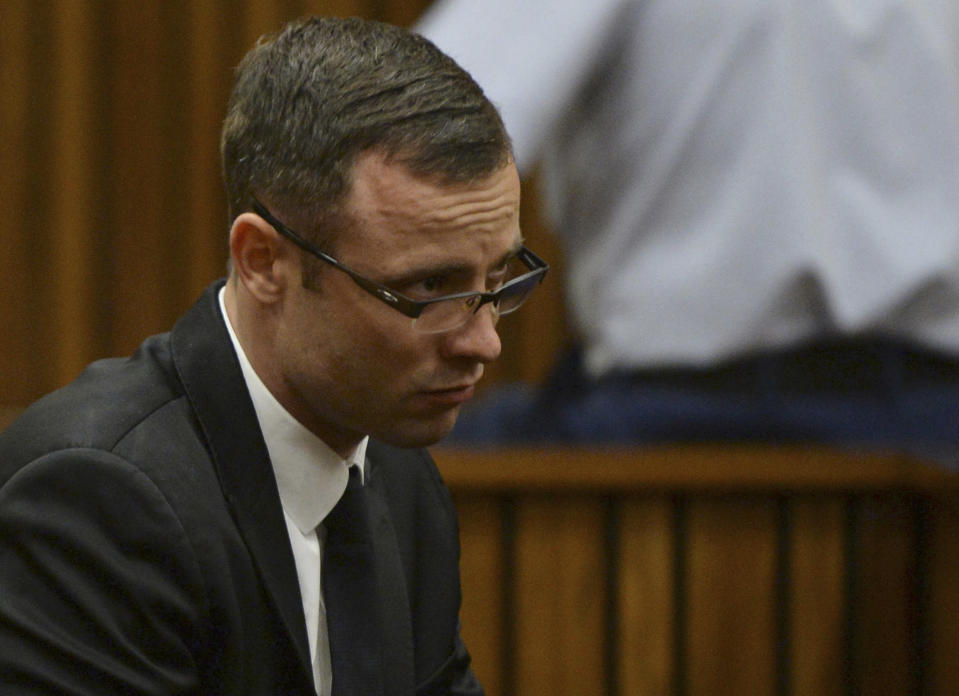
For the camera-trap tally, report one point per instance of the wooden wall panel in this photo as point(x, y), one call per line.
point(204, 200)
point(401, 12)
point(730, 570)
point(732, 551)
point(72, 191)
point(885, 641)
point(18, 227)
point(646, 601)
point(259, 17)
point(942, 602)
point(560, 586)
point(144, 226)
point(483, 572)
point(816, 618)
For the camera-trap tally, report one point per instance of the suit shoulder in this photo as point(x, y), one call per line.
point(97, 410)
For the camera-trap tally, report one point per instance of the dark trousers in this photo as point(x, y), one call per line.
point(878, 392)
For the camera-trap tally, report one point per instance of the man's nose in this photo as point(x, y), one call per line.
point(477, 338)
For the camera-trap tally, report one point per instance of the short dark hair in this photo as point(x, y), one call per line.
point(309, 99)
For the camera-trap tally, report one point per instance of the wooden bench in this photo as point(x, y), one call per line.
point(707, 570)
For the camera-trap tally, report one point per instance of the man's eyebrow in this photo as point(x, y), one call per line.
point(426, 271)
point(512, 253)
point(451, 269)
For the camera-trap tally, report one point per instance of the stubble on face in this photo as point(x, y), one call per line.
point(354, 366)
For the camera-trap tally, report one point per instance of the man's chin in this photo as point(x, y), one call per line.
point(420, 433)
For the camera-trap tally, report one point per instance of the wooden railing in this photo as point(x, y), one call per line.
point(707, 570)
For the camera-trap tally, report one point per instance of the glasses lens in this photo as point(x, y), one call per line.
point(446, 315)
point(516, 292)
point(451, 314)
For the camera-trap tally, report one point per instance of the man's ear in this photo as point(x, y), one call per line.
point(257, 252)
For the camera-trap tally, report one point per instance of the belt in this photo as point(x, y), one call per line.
point(846, 366)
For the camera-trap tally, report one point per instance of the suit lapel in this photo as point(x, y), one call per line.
point(398, 677)
point(204, 357)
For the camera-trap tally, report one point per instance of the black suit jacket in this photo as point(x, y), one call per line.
point(143, 547)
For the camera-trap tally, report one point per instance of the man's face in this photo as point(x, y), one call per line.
point(352, 365)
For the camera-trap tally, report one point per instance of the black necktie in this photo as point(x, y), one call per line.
point(350, 595)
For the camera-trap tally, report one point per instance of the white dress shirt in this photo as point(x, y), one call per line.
point(733, 175)
point(311, 478)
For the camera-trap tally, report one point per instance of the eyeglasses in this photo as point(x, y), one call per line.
point(439, 314)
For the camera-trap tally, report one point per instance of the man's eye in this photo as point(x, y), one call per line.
point(432, 286)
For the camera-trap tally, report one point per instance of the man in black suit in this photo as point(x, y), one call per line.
point(176, 522)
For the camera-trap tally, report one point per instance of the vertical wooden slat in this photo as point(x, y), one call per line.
point(816, 598)
point(262, 17)
point(481, 570)
point(852, 596)
point(612, 553)
point(943, 601)
point(560, 592)
point(784, 594)
point(919, 600)
point(142, 230)
point(509, 606)
point(402, 12)
point(680, 527)
point(335, 8)
point(72, 188)
point(40, 171)
point(646, 596)
point(732, 547)
point(210, 76)
point(178, 229)
point(18, 357)
point(886, 620)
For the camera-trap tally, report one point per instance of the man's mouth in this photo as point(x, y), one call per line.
point(452, 396)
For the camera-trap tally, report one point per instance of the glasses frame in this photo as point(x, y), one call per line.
point(398, 301)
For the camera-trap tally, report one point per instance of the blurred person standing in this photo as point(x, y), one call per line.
point(758, 202)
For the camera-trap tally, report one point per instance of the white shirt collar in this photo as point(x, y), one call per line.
point(310, 476)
